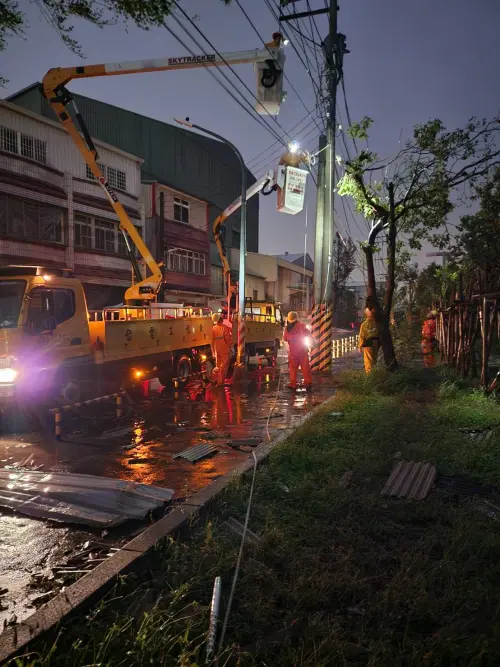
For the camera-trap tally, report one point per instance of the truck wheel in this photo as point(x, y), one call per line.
point(184, 368)
point(164, 377)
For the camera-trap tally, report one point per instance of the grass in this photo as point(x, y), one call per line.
point(344, 576)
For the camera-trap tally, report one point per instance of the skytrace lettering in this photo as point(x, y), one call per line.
point(183, 60)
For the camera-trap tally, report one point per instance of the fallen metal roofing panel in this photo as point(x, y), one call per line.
point(196, 453)
point(74, 498)
point(410, 480)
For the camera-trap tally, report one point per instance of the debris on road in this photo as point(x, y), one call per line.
point(248, 442)
point(83, 499)
point(410, 480)
point(194, 454)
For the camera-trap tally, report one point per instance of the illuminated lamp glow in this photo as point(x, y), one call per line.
point(8, 375)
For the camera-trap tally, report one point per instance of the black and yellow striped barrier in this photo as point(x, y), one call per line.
point(322, 322)
point(57, 412)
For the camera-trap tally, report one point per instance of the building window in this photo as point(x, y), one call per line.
point(8, 140)
point(19, 143)
point(98, 234)
point(83, 231)
point(217, 277)
point(105, 234)
point(122, 246)
point(181, 210)
point(115, 177)
point(186, 261)
point(30, 220)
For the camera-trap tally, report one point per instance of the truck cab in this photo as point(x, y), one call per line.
point(44, 332)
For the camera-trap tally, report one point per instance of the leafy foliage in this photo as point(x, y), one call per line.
point(479, 234)
point(411, 195)
point(426, 175)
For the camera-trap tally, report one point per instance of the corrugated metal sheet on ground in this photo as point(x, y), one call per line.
point(410, 480)
point(196, 453)
point(83, 499)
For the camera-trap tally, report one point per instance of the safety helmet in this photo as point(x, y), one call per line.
point(216, 317)
point(292, 317)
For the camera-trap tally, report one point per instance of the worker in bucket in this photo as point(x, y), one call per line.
point(369, 338)
point(222, 341)
point(299, 339)
point(429, 341)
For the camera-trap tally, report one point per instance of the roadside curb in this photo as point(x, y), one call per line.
point(12, 640)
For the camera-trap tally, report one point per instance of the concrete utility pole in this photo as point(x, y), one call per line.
point(334, 48)
point(320, 220)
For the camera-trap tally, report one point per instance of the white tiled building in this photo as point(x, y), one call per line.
point(52, 212)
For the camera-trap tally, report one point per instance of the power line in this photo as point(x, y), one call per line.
point(277, 152)
point(277, 142)
point(283, 30)
point(349, 120)
point(213, 74)
point(186, 16)
point(305, 52)
point(272, 159)
point(263, 42)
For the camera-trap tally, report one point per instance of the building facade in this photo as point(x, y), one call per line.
point(177, 234)
point(295, 282)
point(198, 166)
point(53, 212)
point(270, 277)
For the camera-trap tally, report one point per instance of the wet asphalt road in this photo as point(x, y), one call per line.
point(160, 424)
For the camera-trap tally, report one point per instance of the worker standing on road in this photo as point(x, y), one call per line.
point(222, 341)
point(429, 341)
point(298, 336)
point(369, 338)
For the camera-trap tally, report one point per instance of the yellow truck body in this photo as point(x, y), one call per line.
point(51, 346)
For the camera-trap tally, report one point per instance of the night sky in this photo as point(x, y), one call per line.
point(409, 62)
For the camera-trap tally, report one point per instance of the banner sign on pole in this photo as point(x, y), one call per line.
point(292, 191)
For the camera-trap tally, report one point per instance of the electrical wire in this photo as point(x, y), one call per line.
point(306, 118)
point(201, 33)
point(305, 52)
point(277, 152)
point(263, 168)
point(349, 120)
point(265, 45)
point(287, 35)
point(213, 74)
point(240, 555)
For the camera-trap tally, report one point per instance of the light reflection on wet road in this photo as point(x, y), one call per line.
point(162, 424)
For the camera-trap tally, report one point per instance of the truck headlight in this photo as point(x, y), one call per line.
point(8, 375)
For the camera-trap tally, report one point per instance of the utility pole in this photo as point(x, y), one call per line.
point(320, 220)
point(334, 48)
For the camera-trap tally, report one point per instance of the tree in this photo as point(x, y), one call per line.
point(479, 234)
point(415, 193)
point(61, 14)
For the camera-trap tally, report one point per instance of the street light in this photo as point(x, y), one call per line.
point(243, 237)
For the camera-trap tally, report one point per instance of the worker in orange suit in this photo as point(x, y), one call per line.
point(429, 342)
point(222, 341)
point(298, 337)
